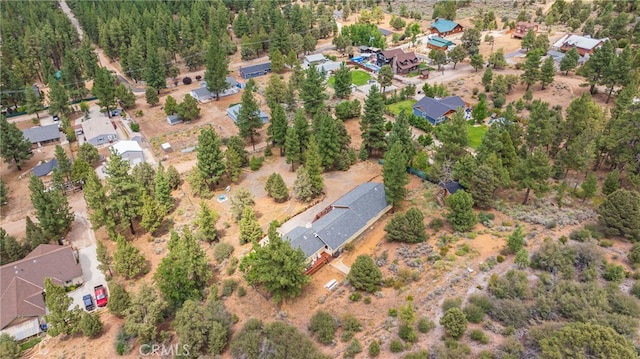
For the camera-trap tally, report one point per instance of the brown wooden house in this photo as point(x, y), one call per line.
point(522, 28)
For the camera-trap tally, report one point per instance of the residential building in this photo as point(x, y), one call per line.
point(437, 111)
point(99, 130)
point(386, 57)
point(405, 63)
point(233, 112)
point(584, 44)
point(341, 222)
point(329, 67)
point(439, 43)
point(129, 151)
point(44, 168)
point(444, 27)
point(41, 135)
point(255, 70)
point(313, 59)
point(22, 287)
point(522, 28)
point(203, 95)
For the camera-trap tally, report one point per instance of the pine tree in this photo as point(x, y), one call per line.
point(277, 130)
point(589, 187)
point(292, 145)
point(58, 98)
point(401, 133)
point(385, 77)
point(250, 230)
point(531, 72)
point(408, 227)
point(547, 72)
point(152, 213)
point(242, 198)
point(477, 61)
point(33, 102)
point(277, 61)
point(372, 122)
point(312, 90)
point(104, 258)
point(528, 40)
point(4, 193)
point(532, 173)
point(276, 266)
point(275, 91)
point(210, 157)
point(170, 105)
point(64, 165)
point(104, 88)
point(461, 214)
point(327, 136)
point(125, 96)
point(10, 249)
point(96, 196)
point(569, 61)
point(249, 121)
point(482, 186)
point(217, 66)
point(313, 166)
point(342, 83)
point(365, 275)
point(124, 193)
point(162, 191)
point(128, 261)
point(59, 317)
point(151, 96)
point(144, 313)
point(394, 173)
point(14, 147)
point(233, 162)
point(487, 78)
point(515, 242)
point(183, 274)
point(611, 182)
point(497, 59)
point(302, 187)
point(188, 109)
point(206, 219)
point(457, 55)
point(154, 70)
point(34, 235)
point(276, 188)
point(52, 209)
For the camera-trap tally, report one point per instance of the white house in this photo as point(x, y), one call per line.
point(129, 151)
point(203, 95)
point(99, 130)
point(314, 59)
point(233, 112)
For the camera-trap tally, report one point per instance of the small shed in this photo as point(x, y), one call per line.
point(173, 119)
point(234, 111)
point(450, 187)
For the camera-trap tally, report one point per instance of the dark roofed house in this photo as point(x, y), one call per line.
point(584, 44)
point(386, 57)
point(444, 27)
point(22, 287)
point(255, 70)
point(45, 168)
point(438, 43)
point(42, 134)
point(173, 119)
point(451, 187)
point(234, 111)
point(437, 111)
point(522, 28)
point(405, 63)
point(342, 222)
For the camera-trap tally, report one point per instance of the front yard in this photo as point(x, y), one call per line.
point(358, 78)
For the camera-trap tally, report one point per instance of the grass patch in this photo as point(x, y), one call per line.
point(475, 135)
point(30, 343)
point(405, 105)
point(358, 78)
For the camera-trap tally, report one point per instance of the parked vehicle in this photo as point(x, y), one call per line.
point(88, 302)
point(101, 295)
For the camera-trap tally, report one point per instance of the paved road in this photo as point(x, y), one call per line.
point(92, 276)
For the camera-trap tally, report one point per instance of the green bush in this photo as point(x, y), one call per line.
point(135, 127)
point(408, 333)
point(421, 354)
point(634, 254)
point(396, 346)
point(511, 312)
point(451, 303)
point(228, 286)
point(355, 296)
point(635, 290)
point(255, 163)
point(436, 224)
point(486, 218)
point(222, 251)
point(425, 325)
point(580, 235)
point(500, 259)
point(479, 336)
point(474, 313)
point(481, 300)
point(374, 348)
point(393, 312)
point(454, 322)
point(323, 326)
point(367, 300)
point(354, 348)
point(613, 273)
point(123, 345)
point(241, 291)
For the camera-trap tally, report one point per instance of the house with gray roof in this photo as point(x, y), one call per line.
point(313, 59)
point(22, 287)
point(99, 130)
point(436, 111)
point(234, 111)
point(255, 70)
point(44, 168)
point(341, 222)
point(585, 45)
point(42, 134)
point(203, 95)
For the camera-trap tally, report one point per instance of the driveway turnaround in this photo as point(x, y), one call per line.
point(92, 276)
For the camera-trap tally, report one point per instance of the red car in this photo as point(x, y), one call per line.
point(101, 295)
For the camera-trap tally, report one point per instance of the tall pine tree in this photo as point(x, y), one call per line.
point(372, 122)
point(210, 157)
point(394, 173)
point(249, 121)
point(217, 66)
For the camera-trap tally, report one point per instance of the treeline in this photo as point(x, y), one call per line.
point(38, 40)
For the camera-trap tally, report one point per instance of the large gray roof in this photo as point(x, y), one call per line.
point(348, 215)
point(42, 133)
point(436, 108)
point(44, 169)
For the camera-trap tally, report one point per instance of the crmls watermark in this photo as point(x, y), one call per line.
point(164, 350)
